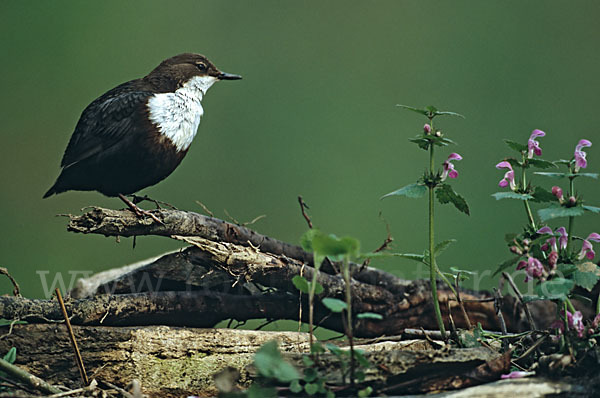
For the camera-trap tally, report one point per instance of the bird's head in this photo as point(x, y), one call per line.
point(187, 67)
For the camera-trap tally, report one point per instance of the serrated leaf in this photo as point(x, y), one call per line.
point(551, 175)
point(516, 146)
point(445, 194)
point(564, 162)
point(586, 280)
point(411, 256)
point(505, 264)
point(448, 141)
point(415, 190)
point(455, 271)
point(593, 209)
point(412, 108)
point(555, 289)
point(590, 175)
point(512, 195)
point(556, 211)
point(369, 315)
point(541, 163)
point(542, 195)
point(448, 113)
point(514, 163)
point(334, 305)
point(422, 142)
point(566, 269)
point(440, 247)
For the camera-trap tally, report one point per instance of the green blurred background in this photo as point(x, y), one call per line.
point(314, 115)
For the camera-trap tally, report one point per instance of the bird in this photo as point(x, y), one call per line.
point(136, 134)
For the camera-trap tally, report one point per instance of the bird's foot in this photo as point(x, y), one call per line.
point(139, 199)
point(138, 211)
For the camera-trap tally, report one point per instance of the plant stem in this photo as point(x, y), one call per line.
point(346, 272)
point(433, 270)
point(526, 202)
point(571, 219)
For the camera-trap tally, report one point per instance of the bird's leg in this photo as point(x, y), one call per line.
point(139, 212)
point(139, 199)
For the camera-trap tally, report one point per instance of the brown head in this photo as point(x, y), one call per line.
point(177, 70)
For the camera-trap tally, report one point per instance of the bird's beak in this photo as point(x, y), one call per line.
point(228, 76)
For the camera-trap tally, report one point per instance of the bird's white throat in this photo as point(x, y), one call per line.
point(177, 115)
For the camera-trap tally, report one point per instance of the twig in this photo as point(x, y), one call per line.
point(515, 289)
point(28, 378)
point(91, 387)
point(498, 308)
point(122, 391)
point(16, 290)
point(78, 359)
point(460, 303)
point(210, 213)
point(304, 206)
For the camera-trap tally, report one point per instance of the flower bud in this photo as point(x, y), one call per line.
point(572, 201)
point(558, 192)
point(427, 128)
point(438, 133)
point(526, 242)
point(552, 259)
point(516, 250)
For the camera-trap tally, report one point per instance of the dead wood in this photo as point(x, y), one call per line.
point(167, 367)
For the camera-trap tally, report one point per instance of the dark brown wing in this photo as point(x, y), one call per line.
point(107, 121)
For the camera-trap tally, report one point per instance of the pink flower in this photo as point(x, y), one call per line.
point(449, 167)
point(596, 321)
point(532, 145)
point(580, 160)
point(558, 192)
point(552, 259)
point(587, 250)
point(551, 242)
point(575, 322)
point(533, 268)
point(509, 176)
point(427, 128)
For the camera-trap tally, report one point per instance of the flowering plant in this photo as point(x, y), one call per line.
point(555, 260)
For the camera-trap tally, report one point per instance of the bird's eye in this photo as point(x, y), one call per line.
point(201, 66)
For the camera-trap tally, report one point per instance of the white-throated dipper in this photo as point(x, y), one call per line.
point(136, 134)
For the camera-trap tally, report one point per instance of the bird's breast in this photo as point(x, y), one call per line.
point(177, 115)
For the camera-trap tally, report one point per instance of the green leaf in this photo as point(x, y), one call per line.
point(445, 194)
point(310, 375)
point(566, 269)
point(306, 240)
point(369, 315)
point(411, 256)
point(447, 113)
point(295, 387)
point(514, 163)
point(542, 195)
point(360, 377)
point(512, 195)
point(335, 350)
point(462, 272)
point(412, 108)
point(551, 175)
point(334, 305)
point(329, 394)
point(332, 246)
point(365, 392)
point(311, 388)
point(269, 363)
point(317, 348)
point(448, 141)
point(508, 263)
point(301, 283)
point(307, 361)
point(516, 146)
point(541, 163)
point(421, 141)
point(586, 280)
point(590, 175)
point(411, 191)
point(555, 289)
point(556, 211)
point(359, 355)
point(256, 391)
point(11, 355)
point(443, 245)
point(593, 209)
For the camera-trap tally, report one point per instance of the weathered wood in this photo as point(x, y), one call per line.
point(179, 361)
